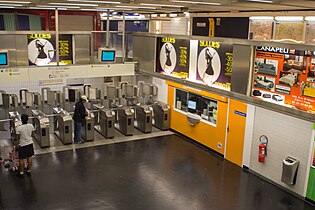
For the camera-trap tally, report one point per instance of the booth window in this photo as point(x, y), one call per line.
point(197, 104)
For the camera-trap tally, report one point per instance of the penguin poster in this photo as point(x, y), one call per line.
point(172, 56)
point(42, 49)
point(214, 64)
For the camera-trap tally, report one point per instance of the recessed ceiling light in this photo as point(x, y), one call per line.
point(6, 7)
point(58, 6)
point(261, 1)
point(289, 18)
point(47, 8)
point(310, 18)
point(136, 7)
point(70, 4)
point(16, 2)
point(99, 2)
point(197, 2)
point(161, 5)
point(261, 18)
point(12, 5)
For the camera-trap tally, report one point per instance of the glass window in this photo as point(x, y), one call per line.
point(197, 104)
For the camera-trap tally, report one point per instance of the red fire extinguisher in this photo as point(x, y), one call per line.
point(262, 148)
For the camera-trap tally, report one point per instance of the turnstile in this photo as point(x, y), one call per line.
point(125, 117)
point(41, 124)
point(88, 128)
point(161, 115)
point(106, 121)
point(63, 125)
point(143, 118)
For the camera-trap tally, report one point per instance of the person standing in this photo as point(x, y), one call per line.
point(24, 135)
point(79, 117)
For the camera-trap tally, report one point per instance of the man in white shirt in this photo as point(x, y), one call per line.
point(24, 135)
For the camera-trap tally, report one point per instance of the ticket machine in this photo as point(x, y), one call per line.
point(63, 125)
point(41, 124)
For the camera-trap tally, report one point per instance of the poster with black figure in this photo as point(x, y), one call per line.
point(172, 56)
point(42, 49)
point(214, 64)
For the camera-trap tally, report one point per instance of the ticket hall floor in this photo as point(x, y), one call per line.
point(157, 173)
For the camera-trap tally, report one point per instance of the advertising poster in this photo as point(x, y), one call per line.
point(173, 56)
point(285, 76)
point(42, 49)
point(214, 64)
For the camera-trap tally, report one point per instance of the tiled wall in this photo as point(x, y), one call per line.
point(288, 136)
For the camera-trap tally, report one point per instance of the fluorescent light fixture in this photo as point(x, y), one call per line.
point(173, 15)
point(98, 2)
point(6, 7)
point(197, 2)
point(261, 18)
point(136, 7)
point(101, 10)
point(51, 6)
point(262, 1)
point(310, 18)
point(187, 14)
point(161, 5)
point(289, 18)
point(12, 5)
point(16, 2)
point(163, 15)
point(47, 8)
point(115, 13)
point(154, 15)
point(70, 4)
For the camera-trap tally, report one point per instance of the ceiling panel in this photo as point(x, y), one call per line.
point(165, 5)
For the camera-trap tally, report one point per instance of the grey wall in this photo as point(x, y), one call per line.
point(240, 68)
point(288, 136)
point(144, 51)
point(16, 44)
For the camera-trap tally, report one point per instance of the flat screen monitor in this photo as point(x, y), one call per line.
point(4, 58)
point(107, 55)
point(192, 105)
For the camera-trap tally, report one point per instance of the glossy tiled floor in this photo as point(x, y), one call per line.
point(156, 173)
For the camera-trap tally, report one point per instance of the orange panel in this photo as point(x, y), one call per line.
point(203, 133)
point(235, 139)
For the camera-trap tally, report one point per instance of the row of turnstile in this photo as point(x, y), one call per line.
point(125, 119)
point(104, 120)
point(123, 107)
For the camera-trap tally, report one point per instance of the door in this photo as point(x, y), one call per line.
point(236, 131)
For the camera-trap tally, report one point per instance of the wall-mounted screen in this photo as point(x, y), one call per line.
point(192, 105)
point(106, 55)
point(4, 58)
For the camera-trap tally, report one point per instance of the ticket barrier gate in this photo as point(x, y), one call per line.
point(161, 115)
point(63, 125)
point(125, 117)
point(88, 128)
point(106, 121)
point(41, 124)
point(143, 118)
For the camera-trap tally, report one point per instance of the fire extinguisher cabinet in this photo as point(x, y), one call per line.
point(290, 167)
